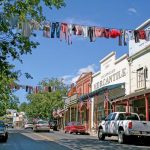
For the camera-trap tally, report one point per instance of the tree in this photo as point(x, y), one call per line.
point(43, 103)
point(23, 107)
point(13, 44)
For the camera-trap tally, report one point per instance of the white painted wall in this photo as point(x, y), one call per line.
point(142, 61)
point(111, 67)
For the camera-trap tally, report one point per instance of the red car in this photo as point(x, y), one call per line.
point(75, 127)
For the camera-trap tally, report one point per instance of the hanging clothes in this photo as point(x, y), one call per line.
point(147, 32)
point(136, 36)
point(85, 31)
point(55, 29)
point(46, 30)
point(124, 39)
point(74, 29)
point(113, 33)
point(106, 33)
point(99, 32)
point(64, 31)
point(128, 35)
point(26, 29)
point(69, 34)
point(91, 34)
point(79, 30)
point(120, 38)
point(142, 34)
point(34, 24)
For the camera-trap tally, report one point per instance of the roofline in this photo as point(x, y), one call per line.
point(108, 56)
point(143, 24)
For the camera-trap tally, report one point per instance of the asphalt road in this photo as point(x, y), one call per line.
point(28, 140)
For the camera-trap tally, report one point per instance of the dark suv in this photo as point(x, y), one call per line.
point(3, 131)
point(53, 125)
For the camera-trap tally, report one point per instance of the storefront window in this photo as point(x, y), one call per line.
point(140, 78)
point(139, 108)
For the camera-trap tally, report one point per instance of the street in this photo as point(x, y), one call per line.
point(28, 140)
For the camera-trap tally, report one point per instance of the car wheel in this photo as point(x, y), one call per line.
point(121, 137)
point(5, 138)
point(101, 135)
point(65, 131)
point(70, 132)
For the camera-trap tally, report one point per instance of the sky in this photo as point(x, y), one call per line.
point(56, 59)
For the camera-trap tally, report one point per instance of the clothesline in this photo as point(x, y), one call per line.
point(33, 89)
point(64, 30)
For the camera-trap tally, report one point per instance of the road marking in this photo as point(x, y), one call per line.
point(46, 137)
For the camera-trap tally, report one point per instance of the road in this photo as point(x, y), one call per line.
point(56, 140)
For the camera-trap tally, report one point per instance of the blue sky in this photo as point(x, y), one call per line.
point(54, 58)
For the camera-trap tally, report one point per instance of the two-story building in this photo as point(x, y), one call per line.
point(138, 99)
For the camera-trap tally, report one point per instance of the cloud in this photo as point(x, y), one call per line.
point(132, 10)
point(68, 79)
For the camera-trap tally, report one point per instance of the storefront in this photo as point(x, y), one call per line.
point(108, 84)
point(71, 107)
point(138, 98)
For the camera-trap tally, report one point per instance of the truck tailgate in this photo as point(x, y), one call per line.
point(141, 126)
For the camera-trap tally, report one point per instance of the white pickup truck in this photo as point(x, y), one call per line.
point(123, 125)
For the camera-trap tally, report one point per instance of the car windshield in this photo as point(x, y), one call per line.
point(75, 123)
point(42, 122)
point(128, 116)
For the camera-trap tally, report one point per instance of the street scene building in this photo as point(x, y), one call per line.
point(137, 98)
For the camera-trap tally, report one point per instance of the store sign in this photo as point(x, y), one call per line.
point(110, 77)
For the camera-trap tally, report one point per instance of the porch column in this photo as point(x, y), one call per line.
point(114, 107)
point(96, 111)
point(70, 114)
point(77, 112)
point(107, 108)
point(90, 116)
point(127, 107)
point(146, 108)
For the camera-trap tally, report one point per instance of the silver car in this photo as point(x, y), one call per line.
point(28, 125)
point(41, 125)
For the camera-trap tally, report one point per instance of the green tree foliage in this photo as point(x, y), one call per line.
point(43, 103)
point(23, 107)
point(13, 44)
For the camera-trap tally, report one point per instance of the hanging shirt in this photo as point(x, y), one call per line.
point(79, 30)
point(85, 31)
point(46, 30)
point(113, 33)
point(136, 36)
point(99, 32)
point(106, 33)
point(142, 34)
point(91, 34)
point(55, 28)
point(69, 33)
point(128, 35)
point(26, 29)
point(64, 30)
point(147, 32)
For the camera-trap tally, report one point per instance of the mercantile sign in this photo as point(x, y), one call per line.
point(110, 77)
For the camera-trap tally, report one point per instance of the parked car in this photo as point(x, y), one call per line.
point(75, 127)
point(3, 131)
point(124, 125)
point(28, 125)
point(41, 125)
point(53, 125)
